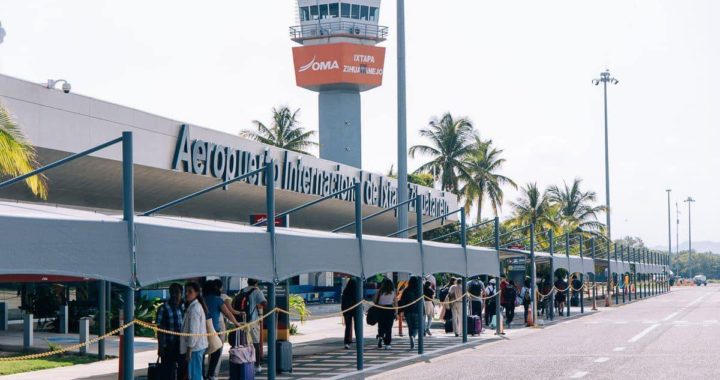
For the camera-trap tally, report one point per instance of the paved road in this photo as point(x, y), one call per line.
point(676, 335)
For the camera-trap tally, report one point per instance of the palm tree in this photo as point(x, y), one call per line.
point(285, 132)
point(480, 175)
point(577, 212)
point(450, 141)
point(18, 156)
point(533, 206)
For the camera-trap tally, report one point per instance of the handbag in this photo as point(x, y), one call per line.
point(154, 370)
point(214, 341)
point(243, 351)
point(373, 315)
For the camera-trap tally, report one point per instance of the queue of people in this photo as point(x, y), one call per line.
point(188, 356)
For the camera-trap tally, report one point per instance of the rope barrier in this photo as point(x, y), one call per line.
point(66, 348)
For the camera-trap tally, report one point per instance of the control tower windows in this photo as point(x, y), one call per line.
point(345, 10)
point(313, 12)
point(364, 13)
point(334, 10)
point(323, 11)
point(304, 14)
point(355, 11)
point(374, 14)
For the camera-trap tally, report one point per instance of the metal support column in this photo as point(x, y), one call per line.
point(421, 315)
point(129, 218)
point(102, 305)
point(582, 277)
point(548, 297)
point(617, 275)
point(464, 278)
point(533, 273)
point(567, 291)
point(269, 177)
point(498, 311)
point(594, 272)
point(359, 282)
point(625, 286)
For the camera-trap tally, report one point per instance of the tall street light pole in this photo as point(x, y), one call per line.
point(689, 201)
point(402, 220)
point(605, 78)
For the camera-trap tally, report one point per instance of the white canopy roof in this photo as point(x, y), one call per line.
point(42, 239)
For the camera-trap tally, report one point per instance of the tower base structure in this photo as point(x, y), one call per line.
point(340, 126)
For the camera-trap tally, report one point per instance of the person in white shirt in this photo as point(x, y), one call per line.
point(386, 297)
point(194, 346)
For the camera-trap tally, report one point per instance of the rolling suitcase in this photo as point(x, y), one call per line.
point(474, 325)
point(242, 357)
point(284, 356)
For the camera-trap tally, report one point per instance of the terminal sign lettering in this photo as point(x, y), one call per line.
point(218, 161)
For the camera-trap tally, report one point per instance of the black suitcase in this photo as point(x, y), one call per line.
point(154, 371)
point(449, 326)
point(284, 356)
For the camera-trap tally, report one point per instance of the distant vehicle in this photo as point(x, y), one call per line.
point(700, 280)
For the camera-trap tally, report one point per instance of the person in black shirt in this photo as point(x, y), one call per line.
point(348, 300)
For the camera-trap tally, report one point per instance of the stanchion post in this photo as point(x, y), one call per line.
point(360, 282)
point(129, 218)
point(419, 236)
point(102, 329)
point(617, 274)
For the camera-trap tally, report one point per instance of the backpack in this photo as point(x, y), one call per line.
point(442, 295)
point(526, 296)
point(474, 288)
point(510, 295)
point(242, 302)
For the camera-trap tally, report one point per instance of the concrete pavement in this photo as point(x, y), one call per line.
point(668, 336)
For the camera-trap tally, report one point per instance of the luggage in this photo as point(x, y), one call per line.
point(373, 315)
point(154, 371)
point(242, 357)
point(449, 326)
point(474, 325)
point(284, 356)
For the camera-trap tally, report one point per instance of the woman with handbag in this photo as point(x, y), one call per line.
point(385, 297)
point(217, 308)
point(193, 346)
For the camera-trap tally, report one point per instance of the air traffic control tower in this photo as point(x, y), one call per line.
point(338, 59)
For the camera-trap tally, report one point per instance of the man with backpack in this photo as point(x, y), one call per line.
point(509, 297)
point(526, 297)
point(491, 305)
point(250, 302)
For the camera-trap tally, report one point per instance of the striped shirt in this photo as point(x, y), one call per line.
point(169, 318)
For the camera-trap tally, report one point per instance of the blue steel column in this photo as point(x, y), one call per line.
point(419, 236)
point(633, 255)
point(129, 218)
point(533, 273)
point(102, 305)
point(582, 277)
point(548, 297)
point(360, 282)
point(567, 291)
point(622, 254)
point(617, 276)
point(642, 275)
point(594, 272)
point(272, 319)
point(464, 279)
point(498, 325)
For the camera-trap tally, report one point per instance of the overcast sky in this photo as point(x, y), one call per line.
point(520, 70)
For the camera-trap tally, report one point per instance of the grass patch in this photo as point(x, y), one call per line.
point(9, 368)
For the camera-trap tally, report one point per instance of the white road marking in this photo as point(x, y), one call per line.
point(601, 360)
point(643, 333)
point(579, 375)
point(618, 349)
point(671, 316)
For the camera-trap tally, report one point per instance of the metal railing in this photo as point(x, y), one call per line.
point(324, 29)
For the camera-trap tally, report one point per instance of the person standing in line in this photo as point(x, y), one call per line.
point(576, 291)
point(476, 289)
point(526, 297)
point(491, 304)
point(170, 317)
point(216, 308)
point(385, 297)
point(194, 346)
point(348, 300)
point(412, 310)
point(561, 286)
point(509, 299)
point(250, 302)
point(429, 295)
point(454, 298)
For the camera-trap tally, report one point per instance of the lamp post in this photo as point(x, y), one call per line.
point(605, 78)
point(689, 201)
point(402, 219)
